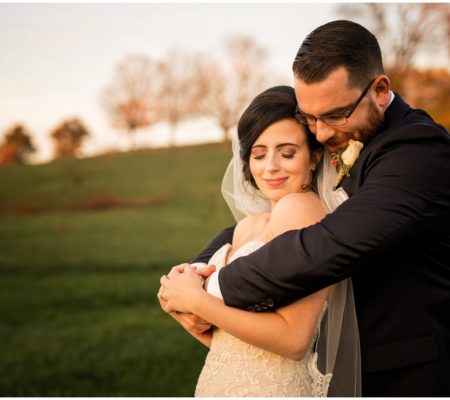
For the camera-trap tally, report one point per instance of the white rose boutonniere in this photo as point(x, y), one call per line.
point(345, 158)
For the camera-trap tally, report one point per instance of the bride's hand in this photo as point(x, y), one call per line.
point(181, 290)
point(204, 272)
point(196, 326)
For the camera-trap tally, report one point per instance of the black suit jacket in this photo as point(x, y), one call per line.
point(392, 236)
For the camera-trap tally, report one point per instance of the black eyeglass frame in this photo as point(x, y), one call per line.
point(303, 118)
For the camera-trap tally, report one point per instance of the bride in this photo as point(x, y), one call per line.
point(294, 350)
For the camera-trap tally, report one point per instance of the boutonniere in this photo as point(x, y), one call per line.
point(345, 158)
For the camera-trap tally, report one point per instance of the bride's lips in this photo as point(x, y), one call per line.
point(275, 182)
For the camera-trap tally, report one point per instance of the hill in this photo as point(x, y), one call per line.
point(82, 246)
point(110, 209)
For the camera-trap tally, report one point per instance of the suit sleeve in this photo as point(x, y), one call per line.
point(223, 237)
point(403, 189)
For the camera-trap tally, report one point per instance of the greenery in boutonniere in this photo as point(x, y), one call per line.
point(345, 158)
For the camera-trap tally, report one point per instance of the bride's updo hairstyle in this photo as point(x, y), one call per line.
point(272, 105)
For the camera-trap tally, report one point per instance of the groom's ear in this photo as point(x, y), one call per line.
point(382, 91)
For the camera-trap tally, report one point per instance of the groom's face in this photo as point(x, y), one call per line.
point(334, 96)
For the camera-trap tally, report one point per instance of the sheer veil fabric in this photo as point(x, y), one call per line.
point(338, 345)
point(242, 198)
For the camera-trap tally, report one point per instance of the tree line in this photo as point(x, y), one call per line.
point(144, 91)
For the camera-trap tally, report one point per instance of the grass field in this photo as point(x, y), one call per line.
point(82, 246)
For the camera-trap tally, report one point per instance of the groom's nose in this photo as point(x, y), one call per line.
point(323, 131)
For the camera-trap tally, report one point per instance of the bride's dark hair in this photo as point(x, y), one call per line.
point(272, 105)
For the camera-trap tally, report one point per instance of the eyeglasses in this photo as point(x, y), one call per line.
point(332, 120)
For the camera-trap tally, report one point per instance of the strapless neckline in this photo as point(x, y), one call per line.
point(243, 250)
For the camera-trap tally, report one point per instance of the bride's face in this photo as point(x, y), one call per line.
point(280, 160)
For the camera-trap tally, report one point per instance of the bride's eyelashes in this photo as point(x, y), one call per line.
point(284, 155)
point(258, 156)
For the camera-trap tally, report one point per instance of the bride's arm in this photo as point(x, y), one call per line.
point(196, 326)
point(289, 330)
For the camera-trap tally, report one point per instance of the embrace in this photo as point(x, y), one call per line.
point(335, 280)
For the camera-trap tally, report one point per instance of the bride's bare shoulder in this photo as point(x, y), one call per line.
point(249, 227)
point(296, 211)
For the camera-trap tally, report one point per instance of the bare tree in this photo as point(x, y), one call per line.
point(405, 31)
point(233, 84)
point(180, 88)
point(130, 99)
point(68, 138)
point(17, 146)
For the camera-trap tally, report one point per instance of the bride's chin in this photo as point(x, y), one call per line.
point(272, 197)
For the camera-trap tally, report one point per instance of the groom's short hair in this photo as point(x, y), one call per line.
point(339, 44)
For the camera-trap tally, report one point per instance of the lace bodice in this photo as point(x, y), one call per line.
point(238, 369)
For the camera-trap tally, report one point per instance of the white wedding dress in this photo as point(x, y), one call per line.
point(237, 369)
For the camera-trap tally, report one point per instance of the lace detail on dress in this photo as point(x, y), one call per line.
point(237, 369)
point(320, 382)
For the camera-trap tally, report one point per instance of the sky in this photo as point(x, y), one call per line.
point(56, 58)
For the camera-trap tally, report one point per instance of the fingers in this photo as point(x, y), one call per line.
point(176, 289)
point(206, 271)
point(201, 332)
point(192, 323)
point(178, 269)
point(162, 302)
point(165, 306)
point(163, 280)
point(160, 295)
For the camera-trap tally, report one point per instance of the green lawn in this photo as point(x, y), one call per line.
point(82, 246)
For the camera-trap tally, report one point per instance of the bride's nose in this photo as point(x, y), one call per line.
point(272, 163)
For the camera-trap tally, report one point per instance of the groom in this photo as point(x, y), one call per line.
point(392, 235)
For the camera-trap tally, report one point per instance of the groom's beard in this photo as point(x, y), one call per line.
point(374, 120)
point(363, 133)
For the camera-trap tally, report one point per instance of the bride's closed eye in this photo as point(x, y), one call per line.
point(258, 156)
point(288, 155)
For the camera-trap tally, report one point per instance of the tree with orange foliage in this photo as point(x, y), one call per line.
point(17, 146)
point(405, 32)
point(130, 99)
point(430, 89)
point(68, 138)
